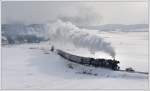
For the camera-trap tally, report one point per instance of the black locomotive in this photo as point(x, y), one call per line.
point(105, 63)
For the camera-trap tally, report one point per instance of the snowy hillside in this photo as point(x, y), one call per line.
point(35, 33)
point(33, 66)
point(120, 27)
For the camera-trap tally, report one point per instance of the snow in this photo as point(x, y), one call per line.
point(121, 27)
point(130, 48)
point(33, 66)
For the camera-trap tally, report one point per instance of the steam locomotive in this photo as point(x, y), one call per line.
point(105, 63)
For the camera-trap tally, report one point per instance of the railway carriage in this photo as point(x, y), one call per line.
point(106, 63)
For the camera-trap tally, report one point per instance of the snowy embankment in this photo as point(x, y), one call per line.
point(32, 66)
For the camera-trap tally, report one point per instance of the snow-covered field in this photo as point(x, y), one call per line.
point(33, 66)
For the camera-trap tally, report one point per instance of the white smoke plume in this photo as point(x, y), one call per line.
point(65, 32)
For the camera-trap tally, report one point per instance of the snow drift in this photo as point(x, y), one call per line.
point(66, 33)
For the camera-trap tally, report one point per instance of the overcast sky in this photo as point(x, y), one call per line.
point(80, 13)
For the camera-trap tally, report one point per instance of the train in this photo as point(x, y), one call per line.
point(88, 61)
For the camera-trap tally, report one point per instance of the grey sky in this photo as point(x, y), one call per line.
point(82, 13)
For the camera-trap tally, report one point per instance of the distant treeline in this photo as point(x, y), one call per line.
point(20, 33)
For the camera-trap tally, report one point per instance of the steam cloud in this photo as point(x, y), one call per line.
point(66, 32)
